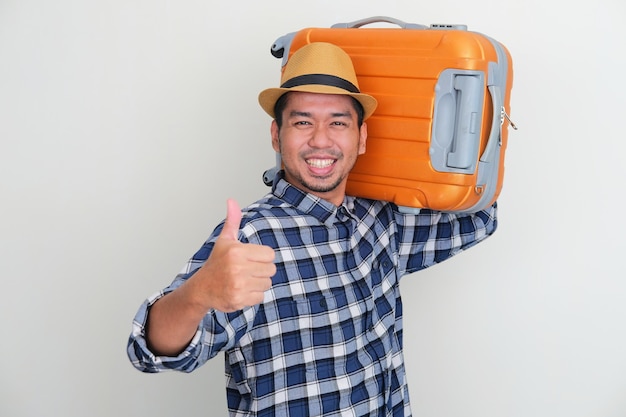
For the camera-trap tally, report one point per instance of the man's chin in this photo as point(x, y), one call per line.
point(322, 185)
point(315, 183)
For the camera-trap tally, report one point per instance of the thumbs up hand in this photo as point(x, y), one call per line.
point(236, 274)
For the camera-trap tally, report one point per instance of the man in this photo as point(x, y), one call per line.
point(301, 289)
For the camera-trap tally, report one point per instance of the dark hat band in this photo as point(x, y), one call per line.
point(321, 79)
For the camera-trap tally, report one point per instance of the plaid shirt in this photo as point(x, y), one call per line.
point(327, 339)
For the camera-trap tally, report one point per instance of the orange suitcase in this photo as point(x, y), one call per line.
point(438, 137)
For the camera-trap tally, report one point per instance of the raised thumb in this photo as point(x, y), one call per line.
point(230, 230)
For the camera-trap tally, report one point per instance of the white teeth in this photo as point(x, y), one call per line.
point(320, 163)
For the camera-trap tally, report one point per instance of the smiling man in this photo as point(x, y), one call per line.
point(319, 141)
point(300, 290)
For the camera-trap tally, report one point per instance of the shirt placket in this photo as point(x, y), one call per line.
point(372, 326)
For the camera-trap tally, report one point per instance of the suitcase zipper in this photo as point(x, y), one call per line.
point(505, 115)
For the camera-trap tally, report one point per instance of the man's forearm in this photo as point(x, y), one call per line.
point(172, 322)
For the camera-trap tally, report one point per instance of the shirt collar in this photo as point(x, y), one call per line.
point(307, 203)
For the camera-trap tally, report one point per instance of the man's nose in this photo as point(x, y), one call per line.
point(320, 138)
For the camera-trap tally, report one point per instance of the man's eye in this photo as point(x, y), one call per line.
point(302, 123)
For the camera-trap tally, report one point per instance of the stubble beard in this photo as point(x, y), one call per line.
point(317, 184)
point(320, 185)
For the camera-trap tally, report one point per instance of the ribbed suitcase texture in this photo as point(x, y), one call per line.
point(438, 137)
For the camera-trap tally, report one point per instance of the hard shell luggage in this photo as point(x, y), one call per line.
point(438, 137)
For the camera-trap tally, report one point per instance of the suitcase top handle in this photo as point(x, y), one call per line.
point(379, 19)
point(402, 24)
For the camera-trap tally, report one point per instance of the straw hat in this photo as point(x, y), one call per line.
point(318, 67)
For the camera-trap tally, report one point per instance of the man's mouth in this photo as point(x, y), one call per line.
point(320, 163)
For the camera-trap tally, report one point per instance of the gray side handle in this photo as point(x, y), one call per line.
point(378, 19)
point(494, 136)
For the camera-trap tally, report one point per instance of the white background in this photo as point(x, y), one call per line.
point(125, 125)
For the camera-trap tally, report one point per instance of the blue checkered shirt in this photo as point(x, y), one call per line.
point(327, 339)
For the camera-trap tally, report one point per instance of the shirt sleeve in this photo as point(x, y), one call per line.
point(140, 355)
point(431, 237)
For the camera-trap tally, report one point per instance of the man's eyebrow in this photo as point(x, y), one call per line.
point(342, 114)
point(295, 113)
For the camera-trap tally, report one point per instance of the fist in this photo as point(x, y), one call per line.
point(236, 275)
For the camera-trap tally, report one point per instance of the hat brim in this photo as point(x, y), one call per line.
point(268, 97)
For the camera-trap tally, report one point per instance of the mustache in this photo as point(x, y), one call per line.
point(327, 154)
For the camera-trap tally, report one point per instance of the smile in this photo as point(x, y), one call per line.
point(320, 163)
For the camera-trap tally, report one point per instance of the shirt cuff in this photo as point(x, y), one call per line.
point(140, 354)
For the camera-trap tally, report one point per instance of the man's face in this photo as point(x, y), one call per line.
point(319, 142)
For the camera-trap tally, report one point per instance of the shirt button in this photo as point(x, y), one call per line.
point(323, 304)
point(386, 264)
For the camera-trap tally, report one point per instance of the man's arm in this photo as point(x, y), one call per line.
point(431, 237)
point(235, 276)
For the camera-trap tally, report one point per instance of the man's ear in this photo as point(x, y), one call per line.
point(362, 138)
point(274, 133)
